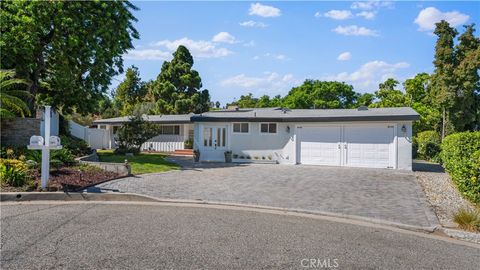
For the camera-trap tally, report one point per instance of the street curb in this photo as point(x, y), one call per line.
point(133, 197)
point(70, 196)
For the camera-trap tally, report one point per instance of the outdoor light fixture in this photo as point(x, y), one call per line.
point(288, 129)
point(404, 129)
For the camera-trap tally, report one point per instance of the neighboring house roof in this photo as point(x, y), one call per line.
point(281, 115)
point(308, 115)
point(164, 119)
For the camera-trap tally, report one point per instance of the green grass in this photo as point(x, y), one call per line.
point(141, 163)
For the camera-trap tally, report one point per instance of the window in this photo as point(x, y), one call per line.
point(170, 130)
point(240, 127)
point(268, 128)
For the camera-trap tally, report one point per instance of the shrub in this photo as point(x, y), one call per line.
point(57, 157)
point(77, 147)
point(428, 145)
point(134, 133)
point(63, 155)
point(188, 144)
point(13, 172)
point(467, 219)
point(461, 158)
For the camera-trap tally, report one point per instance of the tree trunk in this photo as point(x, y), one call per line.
point(443, 123)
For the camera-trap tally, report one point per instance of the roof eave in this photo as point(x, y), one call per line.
point(307, 119)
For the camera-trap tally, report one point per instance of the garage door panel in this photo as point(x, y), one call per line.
point(319, 145)
point(368, 146)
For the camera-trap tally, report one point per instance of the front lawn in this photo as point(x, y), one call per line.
point(141, 163)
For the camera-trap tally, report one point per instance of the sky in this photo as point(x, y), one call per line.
point(270, 47)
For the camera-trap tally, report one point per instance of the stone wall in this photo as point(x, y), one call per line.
point(93, 160)
point(18, 131)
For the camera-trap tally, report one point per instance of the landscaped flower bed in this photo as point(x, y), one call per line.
point(64, 178)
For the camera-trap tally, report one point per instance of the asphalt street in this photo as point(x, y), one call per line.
point(133, 236)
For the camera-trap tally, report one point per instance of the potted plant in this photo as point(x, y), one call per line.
point(196, 155)
point(228, 156)
point(188, 144)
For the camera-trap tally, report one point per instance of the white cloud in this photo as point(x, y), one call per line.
point(344, 56)
point(224, 37)
point(336, 14)
point(264, 10)
point(353, 30)
point(251, 43)
point(198, 48)
point(147, 54)
point(253, 24)
point(369, 5)
point(369, 75)
point(256, 57)
point(270, 82)
point(280, 57)
point(367, 14)
point(427, 18)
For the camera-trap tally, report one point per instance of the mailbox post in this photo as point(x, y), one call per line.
point(45, 144)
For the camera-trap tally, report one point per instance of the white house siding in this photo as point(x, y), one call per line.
point(283, 146)
point(168, 143)
point(404, 146)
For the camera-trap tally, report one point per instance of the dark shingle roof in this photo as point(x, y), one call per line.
point(309, 115)
point(165, 119)
point(280, 115)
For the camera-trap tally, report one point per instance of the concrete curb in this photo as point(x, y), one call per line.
point(71, 196)
point(133, 197)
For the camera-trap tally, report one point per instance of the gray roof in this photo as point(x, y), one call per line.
point(308, 115)
point(280, 115)
point(164, 119)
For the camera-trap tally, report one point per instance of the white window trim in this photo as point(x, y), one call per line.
point(241, 133)
point(267, 133)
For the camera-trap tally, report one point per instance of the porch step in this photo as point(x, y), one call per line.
point(183, 152)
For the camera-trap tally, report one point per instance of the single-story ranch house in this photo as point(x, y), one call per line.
point(363, 137)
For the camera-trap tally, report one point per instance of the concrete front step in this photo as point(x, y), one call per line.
point(183, 152)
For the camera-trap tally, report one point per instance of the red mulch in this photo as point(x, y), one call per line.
point(72, 178)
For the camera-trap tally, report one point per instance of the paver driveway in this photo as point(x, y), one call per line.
point(388, 195)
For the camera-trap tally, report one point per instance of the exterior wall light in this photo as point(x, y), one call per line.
point(404, 129)
point(288, 129)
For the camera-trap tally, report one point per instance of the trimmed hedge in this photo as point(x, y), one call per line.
point(461, 159)
point(428, 145)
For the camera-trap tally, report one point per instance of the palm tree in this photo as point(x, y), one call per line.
point(11, 102)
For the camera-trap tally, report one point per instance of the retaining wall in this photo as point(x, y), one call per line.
point(93, 160)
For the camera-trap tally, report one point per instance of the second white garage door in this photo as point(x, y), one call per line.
point(369, 145)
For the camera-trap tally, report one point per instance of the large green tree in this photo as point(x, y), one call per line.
point(388, 96)
point(68, 50)
point(177, 89)
point(130, 92)
point(418, 91)
point(321, 95)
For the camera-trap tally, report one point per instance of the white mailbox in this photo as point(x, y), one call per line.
point(54, 141)
point(36, 141)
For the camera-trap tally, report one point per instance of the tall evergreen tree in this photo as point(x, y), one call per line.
point(443, 82)
point(177, 89)
point(466, 115)
point(130, 92)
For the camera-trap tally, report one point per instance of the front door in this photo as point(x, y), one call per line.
point(214, 143)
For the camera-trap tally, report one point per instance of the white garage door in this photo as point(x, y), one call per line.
point(367, 145)
point(320, 145)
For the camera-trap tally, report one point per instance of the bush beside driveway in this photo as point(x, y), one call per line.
point(392, 196)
